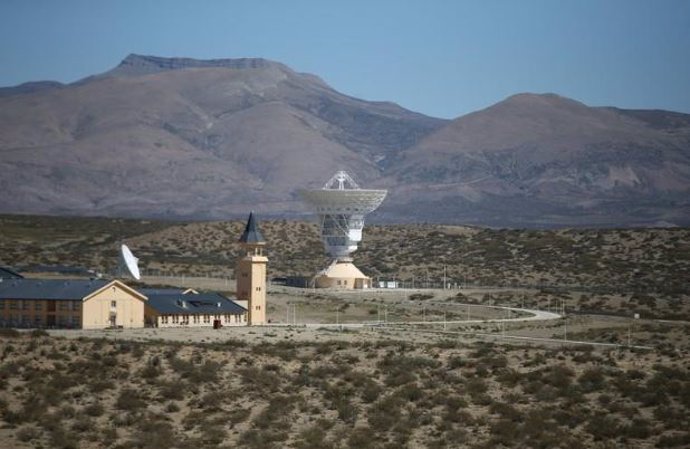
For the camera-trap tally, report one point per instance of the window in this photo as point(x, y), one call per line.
point(258, 289)
point(164, 319)
point(2, 304)
point(76, 322)
point(76, 305)
point(257, 308)
point(37, 321)
point(113, 304)
point(38, 305)
point(207, 319)
point(25, 320)
point(196, 319)
point(63, 305)
point(14, 304)
point(25, 305)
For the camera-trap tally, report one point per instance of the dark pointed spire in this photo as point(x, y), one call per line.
point(251, 232)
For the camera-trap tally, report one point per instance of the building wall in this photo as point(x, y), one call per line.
point(114, 301)
point(198, 320)
point(251, 286)
point(40, 313)
point(345, 283)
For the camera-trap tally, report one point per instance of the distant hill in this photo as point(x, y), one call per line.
point(545, 160)
point(186, 138)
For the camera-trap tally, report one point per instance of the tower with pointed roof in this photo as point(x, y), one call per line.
point(250, 272)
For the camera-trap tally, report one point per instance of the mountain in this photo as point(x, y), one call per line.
point(186, 138)
point(545, 160)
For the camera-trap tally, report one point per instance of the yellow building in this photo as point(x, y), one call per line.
point(85, 304)
point(341, 274)
point(250, 273)
point(177, 308)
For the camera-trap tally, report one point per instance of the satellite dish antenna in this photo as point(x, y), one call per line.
point(129, 263)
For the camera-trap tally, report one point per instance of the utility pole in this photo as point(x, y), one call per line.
point(565, 323)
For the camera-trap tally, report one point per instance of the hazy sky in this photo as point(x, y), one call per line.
point(442, 58)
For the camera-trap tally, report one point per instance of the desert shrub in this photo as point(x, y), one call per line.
point(456, 362)
point(61, 439)
point(284, 350)
point(639, 428)
point(503, 431)
point(420, 296)
point(28, 433)
point(347, 412)
point(172, 390)
point(592, 380)
point(82, 424)
point(259, 379)
point(370, 391)
point(237, 415)
point(37, 333)
point(153, 432)
point(150, 372)
point(96, 409)
point(314, 437)
point(506, 411)
point(129, 400)
point(385, 413)
point(213, 435)
point(9, 333)
point(362, 438)
point(172, 408)
point(677, 440)
point(602, 426)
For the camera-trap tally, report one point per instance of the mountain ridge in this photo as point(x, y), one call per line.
point(185, 138)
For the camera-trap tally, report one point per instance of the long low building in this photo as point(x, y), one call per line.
point(85, 304)
point(99, 304)
point(168, 308)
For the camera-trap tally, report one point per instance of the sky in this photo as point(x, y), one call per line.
point(443, 58)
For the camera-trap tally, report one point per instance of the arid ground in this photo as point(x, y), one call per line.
point(597, 378)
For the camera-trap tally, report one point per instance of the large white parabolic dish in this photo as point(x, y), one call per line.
point(129, 262)
point(341, 206)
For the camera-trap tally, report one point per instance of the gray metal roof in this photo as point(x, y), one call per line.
point(161, 291)
point(251, 232)
point(57, 289)
point(194, 304)
point(8, 273)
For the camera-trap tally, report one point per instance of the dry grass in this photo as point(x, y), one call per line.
point(374, 393)
point(611, 261)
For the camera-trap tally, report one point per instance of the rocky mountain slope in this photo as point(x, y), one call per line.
point(548, 160)
point(178, 137)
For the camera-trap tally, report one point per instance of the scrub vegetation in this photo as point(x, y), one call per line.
point(96, 393)
point(643, 261)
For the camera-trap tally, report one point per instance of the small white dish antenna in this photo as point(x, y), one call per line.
point(129, 263)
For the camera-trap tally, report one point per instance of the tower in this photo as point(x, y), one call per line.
point(250, 272)
point(342, 205)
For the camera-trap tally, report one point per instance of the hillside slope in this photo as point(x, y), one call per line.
point(186, 138)
point(548, 160)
